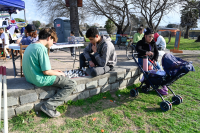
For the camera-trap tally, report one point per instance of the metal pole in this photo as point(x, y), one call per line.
point(25, 15)
point(0, 91)
point(5, 101)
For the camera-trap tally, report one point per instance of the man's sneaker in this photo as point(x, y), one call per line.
point(8, 57)
point(162, 92)
point(51, 113)
point(165, 88)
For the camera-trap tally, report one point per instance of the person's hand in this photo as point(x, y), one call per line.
point(149, 53)
point(91, 64)
point(62, 73)
point(94, 48)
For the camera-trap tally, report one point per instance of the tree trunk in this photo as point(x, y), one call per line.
point(119, 30)
point(82, 34)
point(198, 39)
point(186, 36)
point(74, 21)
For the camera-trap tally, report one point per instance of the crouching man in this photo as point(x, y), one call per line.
point(104, 56)
point(37, 70)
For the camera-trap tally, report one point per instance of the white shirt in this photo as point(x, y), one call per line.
point(161, 42)
point(5, 37)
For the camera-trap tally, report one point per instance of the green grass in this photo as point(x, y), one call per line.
point(125, 114)
point(185, 44)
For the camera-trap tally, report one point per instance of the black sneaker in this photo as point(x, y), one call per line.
point(51, 113)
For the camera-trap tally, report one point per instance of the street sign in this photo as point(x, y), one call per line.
point(177, 43)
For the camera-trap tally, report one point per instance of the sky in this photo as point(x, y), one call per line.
point(32, 13)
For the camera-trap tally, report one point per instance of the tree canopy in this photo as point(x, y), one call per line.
point(19, 20)
point(189, 15)
point(36, 23)
point(110, 26)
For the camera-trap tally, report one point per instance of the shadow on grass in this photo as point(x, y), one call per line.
point(108, 102)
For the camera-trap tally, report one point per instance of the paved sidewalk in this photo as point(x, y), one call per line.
point(61, 60)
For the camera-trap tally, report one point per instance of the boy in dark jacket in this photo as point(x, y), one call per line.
point(104, 56)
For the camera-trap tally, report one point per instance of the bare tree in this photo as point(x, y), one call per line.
point(115, 10)
point(154, 10)
point(42, 25)
point(57, 8)
point(136, 22)
point(53, 9)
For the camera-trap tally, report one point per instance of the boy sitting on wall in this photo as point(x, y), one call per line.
point(37, 70)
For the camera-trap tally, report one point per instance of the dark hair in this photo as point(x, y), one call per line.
point(1, 28)
point(72, 32)
point(16, 31)
point(32, 34)
point(54, 29)
point(149, 31)
point(46, 32)
point(139, 29)
point(92, 32)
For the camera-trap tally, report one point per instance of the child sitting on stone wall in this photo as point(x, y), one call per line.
point(37, 70)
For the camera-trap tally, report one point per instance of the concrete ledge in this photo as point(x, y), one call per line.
point(23, 96)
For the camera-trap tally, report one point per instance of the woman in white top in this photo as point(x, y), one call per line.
point(160, 41)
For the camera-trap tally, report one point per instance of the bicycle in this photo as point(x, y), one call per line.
point(131, 51)
point(129, 47)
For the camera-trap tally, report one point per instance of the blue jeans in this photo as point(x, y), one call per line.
point(140, 61)
point(117, 37)
point(72, 50)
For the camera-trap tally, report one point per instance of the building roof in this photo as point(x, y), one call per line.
point(169, 29)
point(63, 18)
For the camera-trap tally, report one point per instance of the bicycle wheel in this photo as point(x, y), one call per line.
point(134, 51)
point(129, 51)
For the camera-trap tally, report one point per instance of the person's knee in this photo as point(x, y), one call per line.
point(72, 84)
point(93, 73)
point(81, 56)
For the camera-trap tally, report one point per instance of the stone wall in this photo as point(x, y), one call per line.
point(23, 96)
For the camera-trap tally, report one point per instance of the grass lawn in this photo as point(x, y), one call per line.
point(119, 113)
point(185, 44)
